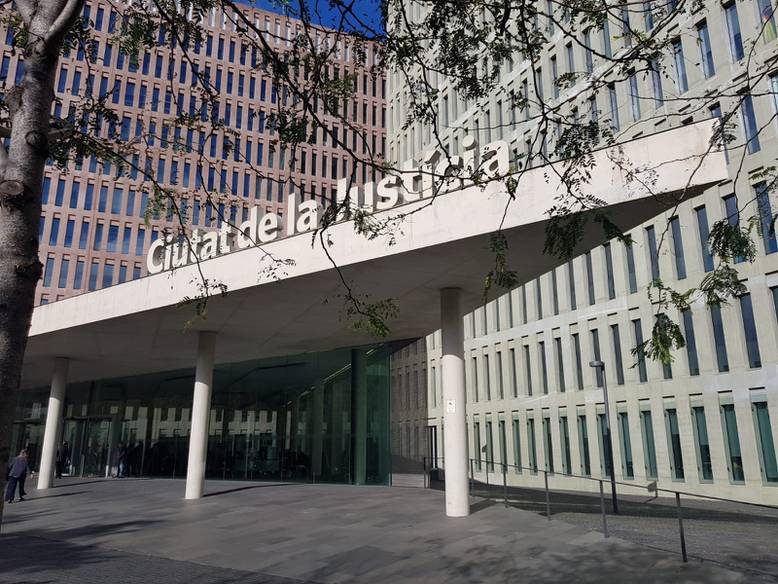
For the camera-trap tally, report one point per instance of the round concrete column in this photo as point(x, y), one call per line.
point(454, 421)
point(53, 424)
point(201, 411)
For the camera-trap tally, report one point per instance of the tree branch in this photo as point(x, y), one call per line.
point(64, 20)
point(27, 10)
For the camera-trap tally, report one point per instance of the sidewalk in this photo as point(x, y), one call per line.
point(135, 530)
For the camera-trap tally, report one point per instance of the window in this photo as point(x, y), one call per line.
point(589, 277)
point(732, 443)
point(749, 125)
point(571, 284)
point(531, 443)
point(554, 292)
point(765, 443)
point(538, 298)
point(489, 446)
point(634, 96)
point(54, 233)
point(680, 67)
point(548, 447)
point(500, 389)
point(543, 366)
point(606, 459)
point(614, 105)
point(70, 227)
point(718, 336)
point(583, 446)
point(627, 467)
point(733, 28)
point(579, 360)
point(674, 440)
point(649, 448)
point(641, 361)
point(619, 364)
point(475, 379)
point(606, 39)
point(503, 444)
point(631, 275)
point(706, 50)
point(653, 254)
point(704, 232)
point(560, 365)
point(680, 260)
point(609, 271)
point(749, 331)
point(528, 369)
point(703, 444)
point(487, 378)
point(691, 342)
point(564, 434)
point(598, 372)
point(514, 375)
point(656, 83)
point(766, 12)
point(766, 216)
point(516, 444)
point(477, 445)
point(48, 272)
point(93, 270)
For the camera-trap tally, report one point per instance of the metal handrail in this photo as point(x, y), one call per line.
point(650, 487)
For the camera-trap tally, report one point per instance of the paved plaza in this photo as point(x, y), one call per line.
point(137, 531)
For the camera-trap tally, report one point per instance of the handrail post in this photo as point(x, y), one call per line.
point(602, 510)
point(548, 502)
point(680, 526)
point(505, 483)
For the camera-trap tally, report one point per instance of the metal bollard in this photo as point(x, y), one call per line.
point(548, 502)
point(602, 510)
point(680, 527)
point(505, 483)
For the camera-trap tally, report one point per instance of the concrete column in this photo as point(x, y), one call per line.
point(201, 408)
point(455, 424)
point(359, 414)
point(53, 424)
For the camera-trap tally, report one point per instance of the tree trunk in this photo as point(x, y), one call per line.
point(21, 182)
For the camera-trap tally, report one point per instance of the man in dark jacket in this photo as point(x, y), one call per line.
point(17, 472)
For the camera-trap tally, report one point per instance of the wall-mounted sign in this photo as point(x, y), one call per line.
point(437, 173)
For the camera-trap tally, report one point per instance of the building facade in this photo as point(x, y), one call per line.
point(707, 423)
point(97, 224)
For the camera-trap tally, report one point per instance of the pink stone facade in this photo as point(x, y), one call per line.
point(94, 231)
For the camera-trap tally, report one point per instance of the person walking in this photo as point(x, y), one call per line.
point(63, 458)
point(17, 472)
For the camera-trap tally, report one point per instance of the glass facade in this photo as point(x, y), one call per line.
point(310, 417)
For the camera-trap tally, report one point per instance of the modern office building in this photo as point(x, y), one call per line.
point(707, 423)
point(94, 232)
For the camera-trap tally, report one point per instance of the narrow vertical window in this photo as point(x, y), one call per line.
point(631, 275)
point(475, 379)
point(578, 361)
point(750, 126)
point(749, 331)
point(706, 50)
point(500, 389)
point(517, 444)
point(691, 341)
point(548, 445)
point(532, 444)
point(554, 292)
point(528, 369)
point(589, 277)
point(560, 365)
point(605, 452)
point(653, 254)
point(489, 446)
point(614, 107)
point(766, 12)
point(765, 442)
point(583, 446)
point(732, 443)
point(704, 232)
point(543, 366)
point(596, 355)
point(722, 359)
point(733, 29)
point(766, 218)
point(477, 445)
point(571, 284)
point(680, 260)
point(619, 364)
point(627, 467)
point(681, 80)
point(641, 361)
point(538, 298)
point(703, 443)
point(609, 271)
point(514, 375)
point(634, 96)
point(674, 439)
point(564, 434)
point(649, 448)
point(487, 379)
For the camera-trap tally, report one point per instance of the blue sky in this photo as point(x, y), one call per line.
point(322, 12)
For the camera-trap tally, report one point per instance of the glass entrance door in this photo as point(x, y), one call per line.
point(90, 446)
point(29, 435)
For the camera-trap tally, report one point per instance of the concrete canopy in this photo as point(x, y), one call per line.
point(140, 327)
